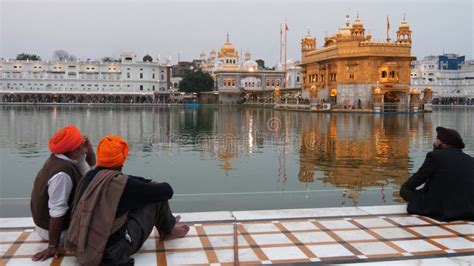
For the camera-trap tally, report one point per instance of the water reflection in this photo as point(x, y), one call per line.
point(354, 152)
point(336, 159)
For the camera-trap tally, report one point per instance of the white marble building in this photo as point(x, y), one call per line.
point(450, 86)
point(238, 81)
point(129, 81)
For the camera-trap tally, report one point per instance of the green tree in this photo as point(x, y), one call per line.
point(261, 63)
point(196, 81)
point(25, 56)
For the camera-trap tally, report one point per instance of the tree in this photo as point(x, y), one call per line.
point(62, 55)
point(25, 56)
point(261, 63)
point(196, 81)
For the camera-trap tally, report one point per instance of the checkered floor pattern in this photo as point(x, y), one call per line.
point(320, 240)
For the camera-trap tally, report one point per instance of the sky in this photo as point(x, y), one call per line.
point(94, 29)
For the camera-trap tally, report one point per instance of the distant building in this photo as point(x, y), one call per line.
point(128, 81)
point(236, 80)
point(293, 75)
point(450, 77)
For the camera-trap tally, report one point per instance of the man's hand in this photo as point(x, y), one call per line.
point(88, 144)
point(47, 253)
point(90, 155)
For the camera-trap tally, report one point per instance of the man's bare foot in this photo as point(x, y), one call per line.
point(178, 231)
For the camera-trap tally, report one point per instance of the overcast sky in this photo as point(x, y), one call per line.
point(93, 29)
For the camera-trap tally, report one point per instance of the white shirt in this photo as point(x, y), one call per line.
point(59, 189)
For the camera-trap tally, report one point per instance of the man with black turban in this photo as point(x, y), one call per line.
point(447, 176)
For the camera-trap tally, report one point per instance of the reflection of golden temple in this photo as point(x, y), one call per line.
point(367, 155)
point(226, 159)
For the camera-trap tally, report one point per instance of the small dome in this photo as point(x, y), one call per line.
point(404, 25)
point(249, 65)
point(308, 37)
point(344, 32)
point(147, 58)
point(357, 23)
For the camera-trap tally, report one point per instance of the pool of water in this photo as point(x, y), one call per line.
point(237, 158)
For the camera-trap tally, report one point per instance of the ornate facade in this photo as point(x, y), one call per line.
point(350, 66)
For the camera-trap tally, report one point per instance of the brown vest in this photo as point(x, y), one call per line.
point(39, 195)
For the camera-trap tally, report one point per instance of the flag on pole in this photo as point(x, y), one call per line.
point(286, 26)
point(281, 42)
point(388, 24)
point(388, 29)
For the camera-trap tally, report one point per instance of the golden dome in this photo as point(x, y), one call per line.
point(228, 49)
point(357, 22)
point(346, 31)
point(308, 36)
point(404, 24)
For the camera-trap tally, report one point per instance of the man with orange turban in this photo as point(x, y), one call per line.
point(51, 199)
point(114, 213)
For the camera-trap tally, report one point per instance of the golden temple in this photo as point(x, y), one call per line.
point(350, 69)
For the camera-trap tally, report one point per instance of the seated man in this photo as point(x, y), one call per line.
point(448, 178)
point(114, 213)
point(53, 190)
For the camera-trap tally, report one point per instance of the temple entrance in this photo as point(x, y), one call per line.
point(395, 101)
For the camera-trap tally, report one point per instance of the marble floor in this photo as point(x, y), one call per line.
point(363, 235)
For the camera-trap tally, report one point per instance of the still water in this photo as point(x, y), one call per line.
point(237, 158)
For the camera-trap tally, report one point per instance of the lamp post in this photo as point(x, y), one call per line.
point(414, 99)
point(377, 95)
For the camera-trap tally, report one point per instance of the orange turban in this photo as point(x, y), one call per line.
point(66, 140)
point(111, 151)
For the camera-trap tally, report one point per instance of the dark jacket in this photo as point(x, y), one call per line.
point(448, 193)
point(39, 195)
